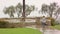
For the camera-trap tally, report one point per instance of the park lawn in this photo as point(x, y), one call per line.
point(19, 31)
point(56, 27)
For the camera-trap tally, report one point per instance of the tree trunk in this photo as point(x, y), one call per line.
point(23, 14)
point(18, 15)
point(51, 16)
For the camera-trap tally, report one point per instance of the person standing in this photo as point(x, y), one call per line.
point(43, 23)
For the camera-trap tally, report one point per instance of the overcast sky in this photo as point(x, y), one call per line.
point(37, 3)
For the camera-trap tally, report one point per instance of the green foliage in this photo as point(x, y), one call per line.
point(10, 11)
point(18, 9)
point(3, 24)
point(52, 22)
point(29, 9)
point(52, 9)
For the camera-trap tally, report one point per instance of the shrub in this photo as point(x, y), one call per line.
point(16, 25)
point(52, 21)
point(3, 24)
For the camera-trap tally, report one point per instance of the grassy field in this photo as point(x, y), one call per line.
point(19, 31)
point(56, 27)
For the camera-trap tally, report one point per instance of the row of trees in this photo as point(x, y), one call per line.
point(18, 9)
point(52, 10)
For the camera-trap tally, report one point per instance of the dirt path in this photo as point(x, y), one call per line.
point(47, 31)
point(50, 31)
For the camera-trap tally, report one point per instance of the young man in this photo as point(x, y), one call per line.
point(43, 23)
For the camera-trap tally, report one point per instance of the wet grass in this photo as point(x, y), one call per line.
point(19, 31)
